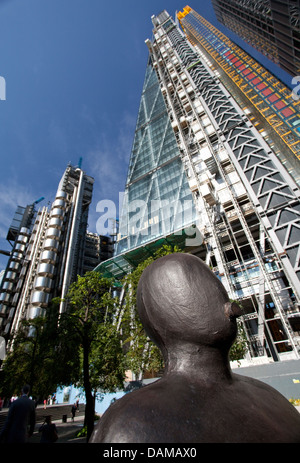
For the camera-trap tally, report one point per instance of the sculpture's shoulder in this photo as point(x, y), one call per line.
point(125, 421)
point(176, 412)
point(259, 390)
point(269, 407)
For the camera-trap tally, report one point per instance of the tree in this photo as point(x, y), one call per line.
point(240, 345)
point(32, 360)
point(88, 324)
point(141, 353)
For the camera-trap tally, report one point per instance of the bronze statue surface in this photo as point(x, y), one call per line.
point(186, 311)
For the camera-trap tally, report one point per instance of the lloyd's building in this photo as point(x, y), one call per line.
point(215, 168)
point(50, 247)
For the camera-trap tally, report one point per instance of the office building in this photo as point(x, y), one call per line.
point(270, 26)
point(97, 248)
point(50, 247)
point(268, 103)
point(208, 173)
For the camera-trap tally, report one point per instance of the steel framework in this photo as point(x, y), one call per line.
point(248, 205)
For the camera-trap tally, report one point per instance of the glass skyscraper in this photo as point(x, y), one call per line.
point(158, 205)
point(156, 175)
point(257, 90)
point(198, 137)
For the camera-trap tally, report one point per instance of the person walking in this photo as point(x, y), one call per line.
point(73, 411)
point(49, 431)
point(21, 416)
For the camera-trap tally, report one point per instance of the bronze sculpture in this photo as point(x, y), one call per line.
point(186, 311)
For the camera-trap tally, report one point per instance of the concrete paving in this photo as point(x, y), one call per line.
point(66, 431)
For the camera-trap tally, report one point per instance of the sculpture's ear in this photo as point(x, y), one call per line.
point(232, 310)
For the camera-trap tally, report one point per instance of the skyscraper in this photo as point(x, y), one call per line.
point(194, 140)
point(270, 26)
point(50, 247)
point(265, 99)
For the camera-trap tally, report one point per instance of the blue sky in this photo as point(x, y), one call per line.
point(74, 71)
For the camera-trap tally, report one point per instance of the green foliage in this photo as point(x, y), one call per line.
point(142, 354)
point(33, 359)
point(107, 369)
point(240, 345)
point(81, 346)
point(88, 325)
point(82, 432)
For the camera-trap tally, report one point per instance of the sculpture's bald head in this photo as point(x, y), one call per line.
point(180, 298)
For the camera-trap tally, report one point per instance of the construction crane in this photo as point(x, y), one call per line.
point(38, 200)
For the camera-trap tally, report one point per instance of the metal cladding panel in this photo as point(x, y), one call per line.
point(57, 212)
point(44, 283)
point(35, 312)
point(40, 297)
point(52, 233)
point(59, 203)
point(51, 244)
point(48, 256)
point(46, 269)
point(55, 222)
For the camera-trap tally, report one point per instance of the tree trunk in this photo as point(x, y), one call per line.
point(90, 403)
point(89, 414)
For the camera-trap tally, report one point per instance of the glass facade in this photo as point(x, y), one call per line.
point(157, 200)
point(272, 99)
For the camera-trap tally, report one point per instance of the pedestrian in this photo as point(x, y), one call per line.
point(77, 405)
point(49, 431)
point(45, 404)
point(73, 411)
point(20, 421)
point(12, 399)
